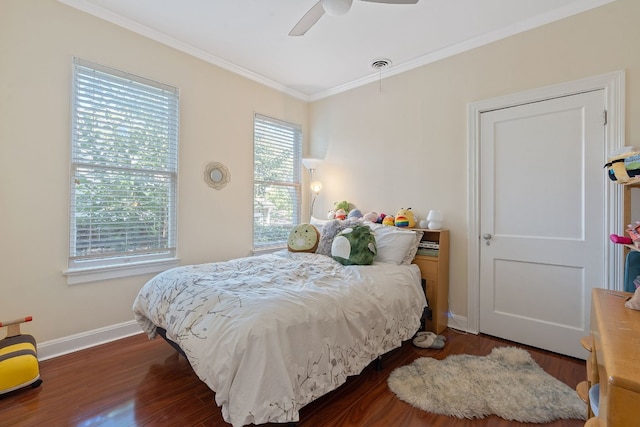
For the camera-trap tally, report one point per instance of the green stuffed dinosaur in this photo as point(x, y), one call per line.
point(354, 246)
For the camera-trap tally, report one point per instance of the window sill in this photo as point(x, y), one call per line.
point(93, 274)
point(267, 250)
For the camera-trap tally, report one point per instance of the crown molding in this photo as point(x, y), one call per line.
point(519, 27)
point(107, 15)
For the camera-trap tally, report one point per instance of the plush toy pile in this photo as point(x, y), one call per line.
point(345, 210)
point(351, 238)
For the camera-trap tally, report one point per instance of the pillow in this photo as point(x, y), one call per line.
point(394, 245)
point(303, 238)
point(318, 223)
point(354, 246)
point(330, 230)
point(413, 249)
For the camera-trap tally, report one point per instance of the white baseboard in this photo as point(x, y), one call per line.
point(83, 340)
point(458, 322)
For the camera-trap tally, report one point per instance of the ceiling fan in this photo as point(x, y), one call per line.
point(332, 8)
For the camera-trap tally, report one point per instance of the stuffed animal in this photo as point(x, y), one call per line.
point(331, 214)
point(371, 216)
point(341, 214)
point(354, 246)
point(342, 205)
point(354, 213)
point(303, 238)
point(388, 220)
point(405, 218)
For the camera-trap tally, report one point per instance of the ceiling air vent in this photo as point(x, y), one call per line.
point(379, 64)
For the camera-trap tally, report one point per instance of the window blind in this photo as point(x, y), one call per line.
point(124, 167)
point(277, 159)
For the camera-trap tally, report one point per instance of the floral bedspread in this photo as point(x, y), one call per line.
point(272, 333)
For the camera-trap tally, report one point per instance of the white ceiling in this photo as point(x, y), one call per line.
point(250, 37)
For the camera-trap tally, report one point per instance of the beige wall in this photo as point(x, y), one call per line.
point(402, 147)
point(407, 144)
point(38, 39)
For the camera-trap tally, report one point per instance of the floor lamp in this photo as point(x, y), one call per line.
point(312, 164)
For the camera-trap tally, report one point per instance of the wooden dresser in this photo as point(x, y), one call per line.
point(615, 333)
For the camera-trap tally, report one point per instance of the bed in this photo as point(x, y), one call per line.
point(271, 333)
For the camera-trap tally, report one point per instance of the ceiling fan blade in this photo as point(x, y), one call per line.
point(393, 1)
point(308, 20)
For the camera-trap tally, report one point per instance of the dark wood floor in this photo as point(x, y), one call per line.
point(137, 382)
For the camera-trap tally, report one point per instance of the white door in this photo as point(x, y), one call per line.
point(542, 221)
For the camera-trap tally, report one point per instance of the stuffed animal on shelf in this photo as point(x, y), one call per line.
point(405, 218)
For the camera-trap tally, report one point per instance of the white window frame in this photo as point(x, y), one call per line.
point(97, 110)
point(285, 138)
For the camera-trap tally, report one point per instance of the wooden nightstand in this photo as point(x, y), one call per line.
point(434, 269)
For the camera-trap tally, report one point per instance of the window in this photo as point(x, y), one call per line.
point(277, 148)
point(123, 172)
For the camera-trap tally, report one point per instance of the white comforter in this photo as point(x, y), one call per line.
point(272, 333)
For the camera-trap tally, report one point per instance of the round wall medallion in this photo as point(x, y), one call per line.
point(216, 175)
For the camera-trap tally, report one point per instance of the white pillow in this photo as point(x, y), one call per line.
point(394, 245)
point(413, 250)
point(318, 223)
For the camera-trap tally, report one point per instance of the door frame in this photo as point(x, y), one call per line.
point(613, 85)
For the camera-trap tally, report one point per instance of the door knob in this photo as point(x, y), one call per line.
point(486, 236)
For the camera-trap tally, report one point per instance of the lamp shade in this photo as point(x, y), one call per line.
point(435, 219)
point(311, 163)
point(316, 186)
point(435, 216)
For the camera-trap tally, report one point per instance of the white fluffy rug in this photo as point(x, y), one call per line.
point(507, 383)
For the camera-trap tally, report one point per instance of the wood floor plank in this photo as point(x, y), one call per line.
point(136, 382)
